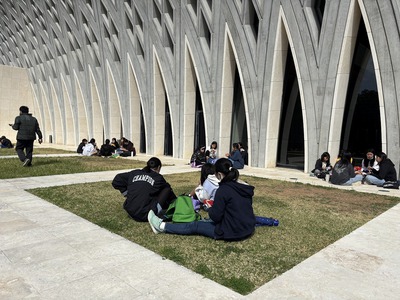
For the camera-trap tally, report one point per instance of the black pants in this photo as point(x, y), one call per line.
point(24, 149)
point(165, 197)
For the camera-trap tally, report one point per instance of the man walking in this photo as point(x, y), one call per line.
point(27, 127)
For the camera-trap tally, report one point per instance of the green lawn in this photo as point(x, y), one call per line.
point(12, 167)
point(311, 218)
point(36, 150)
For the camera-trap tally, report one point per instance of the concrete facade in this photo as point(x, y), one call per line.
point(94, 66)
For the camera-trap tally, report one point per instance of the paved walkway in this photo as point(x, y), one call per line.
point(49, 253)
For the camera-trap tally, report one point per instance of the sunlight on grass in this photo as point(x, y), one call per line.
point(36, 150)
point(12, 167)
point(311, 218)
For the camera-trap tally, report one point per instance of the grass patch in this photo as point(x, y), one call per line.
point(311, 218)
point(36, 150)
point(42, 166)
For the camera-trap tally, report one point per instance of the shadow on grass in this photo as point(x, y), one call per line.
point(311, 218)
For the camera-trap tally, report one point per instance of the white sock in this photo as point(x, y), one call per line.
point(162, 226)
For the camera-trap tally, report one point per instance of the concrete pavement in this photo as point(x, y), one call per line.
point(49, 253)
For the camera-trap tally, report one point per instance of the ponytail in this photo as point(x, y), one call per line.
point(224, 166)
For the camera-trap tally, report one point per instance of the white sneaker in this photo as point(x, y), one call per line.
point(26, 162)
point(154, 222)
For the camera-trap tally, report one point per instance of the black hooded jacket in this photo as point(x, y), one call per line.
point(386, 171)
point(232, 211)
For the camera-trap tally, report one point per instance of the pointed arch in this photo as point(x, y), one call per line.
point(83, 119)
point(135, 106)
point(356, 12)
point(230, 66)
point(160, 94)
point(97, 111)
point(115, 109)
point(48, 126)
point(190, 80)
point(70, 121)
point(58, 137)
point(282, 43)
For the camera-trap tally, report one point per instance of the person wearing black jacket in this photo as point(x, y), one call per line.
point(386, 172)
point(81, 146)
point(106, 149)
point(343, 171)
point(145, 190)
point(232, 213)
point(322, 166)
point(5, 142)
point(28, 128)
point(127, 148)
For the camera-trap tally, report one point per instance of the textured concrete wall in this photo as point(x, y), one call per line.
point(93, 64)
point(15, 91)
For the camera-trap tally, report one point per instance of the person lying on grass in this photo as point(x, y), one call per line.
point(231, 217)
point(145, 190)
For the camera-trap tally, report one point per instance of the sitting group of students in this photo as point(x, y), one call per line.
point(238, 155)
point(231, 215)
point(376, 169)
point(124, 148)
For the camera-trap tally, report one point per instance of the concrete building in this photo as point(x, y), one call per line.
point(289, 78)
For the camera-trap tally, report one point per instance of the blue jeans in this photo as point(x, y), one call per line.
point(353, 180)
point(204, 228)
point(370, 179)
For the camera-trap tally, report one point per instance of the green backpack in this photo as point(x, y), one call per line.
point(181, 210)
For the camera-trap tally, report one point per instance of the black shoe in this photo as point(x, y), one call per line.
point(26, 162)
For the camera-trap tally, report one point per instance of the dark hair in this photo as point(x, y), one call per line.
point(152, 163)
point(368, 162)
point(214, 143)
point(325, 154)
point(107, 141)
point(235, 145)
point(382, 155)
point(92, 141)
point(206, 169)
point(224, 166)
point(24, 109)
point(345, 159)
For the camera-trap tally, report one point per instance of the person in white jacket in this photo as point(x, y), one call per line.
point(90, 148)
point(209, 183)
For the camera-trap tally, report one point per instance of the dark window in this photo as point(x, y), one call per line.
point(168, 130)
point(239, 123)
point(142, 133)
point(199, 128)
point(361, 127)
point(291, 134)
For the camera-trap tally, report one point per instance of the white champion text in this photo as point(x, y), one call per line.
point(145, 178)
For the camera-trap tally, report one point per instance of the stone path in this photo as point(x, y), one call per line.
point(49, 253)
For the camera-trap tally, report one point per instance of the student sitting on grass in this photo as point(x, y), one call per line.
point(81, 146)
point(232, 216)
point(209, 183)
point(145, 190)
